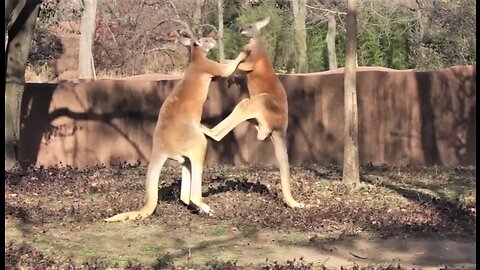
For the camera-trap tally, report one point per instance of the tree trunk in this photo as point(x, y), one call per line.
point(9, 16)
point(299, 8)
point(9, 6)
point(221, 51)
point(351, 167)
point(421, 54)
point(331, 34)
point(18, 47)
point(86, 70)
point(197, 15)
point(421, 33)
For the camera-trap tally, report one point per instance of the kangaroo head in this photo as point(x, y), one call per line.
point(204, 43)
point(253, 30)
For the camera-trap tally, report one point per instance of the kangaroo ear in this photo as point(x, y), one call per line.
point(184, 40)
point(262, 23)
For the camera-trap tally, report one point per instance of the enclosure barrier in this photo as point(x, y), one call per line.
point(405, 117)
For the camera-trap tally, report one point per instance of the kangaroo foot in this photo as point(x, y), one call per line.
point(127, 216)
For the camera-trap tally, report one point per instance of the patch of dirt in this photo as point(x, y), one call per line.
point(399, 203)
point(27, 257)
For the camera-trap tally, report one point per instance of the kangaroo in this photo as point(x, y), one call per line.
point(178, 134)
point(267, 105)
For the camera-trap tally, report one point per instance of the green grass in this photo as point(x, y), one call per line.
point(218, 231)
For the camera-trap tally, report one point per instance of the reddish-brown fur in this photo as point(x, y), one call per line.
point(267, 105)
point(178, 134)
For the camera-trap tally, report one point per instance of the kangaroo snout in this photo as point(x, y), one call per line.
point(244, 32)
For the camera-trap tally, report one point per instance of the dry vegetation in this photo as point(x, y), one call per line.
point(54, 216)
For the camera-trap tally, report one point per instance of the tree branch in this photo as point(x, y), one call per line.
point(209, 25)
point(327, 10)
point(159, 49)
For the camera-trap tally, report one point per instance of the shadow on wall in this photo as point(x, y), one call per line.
point(405, 117)
point(456, 115)
point(89, 123)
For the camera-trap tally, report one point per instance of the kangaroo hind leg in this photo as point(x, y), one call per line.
point(245, 110)
point(186, 182)
point(197, 157)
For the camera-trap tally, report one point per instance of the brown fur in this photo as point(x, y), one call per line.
point(178, 135)
point(267, 105)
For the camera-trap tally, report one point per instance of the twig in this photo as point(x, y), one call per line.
point(378, 14)
point(113, 36)
point(360, 257)
point(391, 19)
point(93, 66)
point(323, 263)
point(158, 49)
point(178, 21)
point(327, 10)
point(144, 44)
point(167, 52)
point(174, 8)
point(211, 26)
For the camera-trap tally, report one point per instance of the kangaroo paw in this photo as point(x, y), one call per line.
point(209, 132)
point(207, 210)
point(203, 207)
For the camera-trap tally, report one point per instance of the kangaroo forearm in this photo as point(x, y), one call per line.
point(245, 66)
point(229, 68)
point(227, 61)
point(231, 65)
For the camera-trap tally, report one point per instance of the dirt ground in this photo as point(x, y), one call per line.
point(398, 218)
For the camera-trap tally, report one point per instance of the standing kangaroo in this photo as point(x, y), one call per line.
point(178, 134)
point(267, 105)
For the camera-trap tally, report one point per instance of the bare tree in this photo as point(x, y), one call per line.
point(351, 166)
point(197, 15)
point(86, 68)
point(423, 20)
point(20, 17)
point(319, 12)
point(299, 8)
point(331, 34)
point(9, 7)
point(221, 50)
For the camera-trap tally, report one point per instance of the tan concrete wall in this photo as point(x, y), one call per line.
point(405, 117)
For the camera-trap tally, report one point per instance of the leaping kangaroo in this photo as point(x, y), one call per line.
point(267, 105)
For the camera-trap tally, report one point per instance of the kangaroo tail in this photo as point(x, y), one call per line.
point(153, 174)
point(280, 146)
